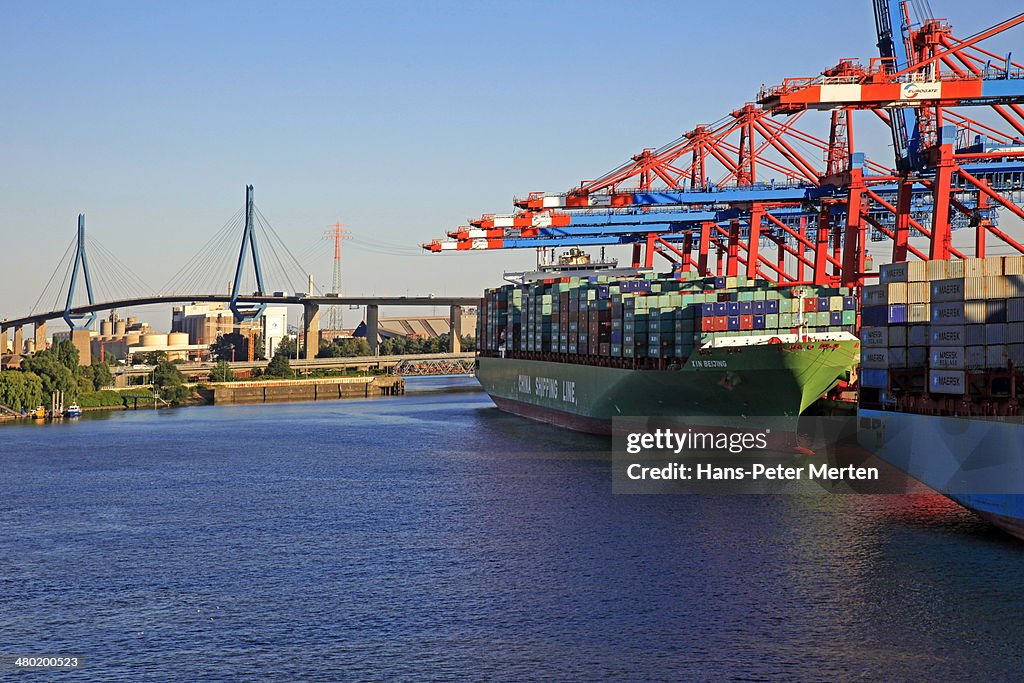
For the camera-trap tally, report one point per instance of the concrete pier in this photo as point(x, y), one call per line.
point(3, 342)
point(40, 336)
point(373, 329)
point(19, 340)
point(311, 329)
point(328, 388)
point(455, 337)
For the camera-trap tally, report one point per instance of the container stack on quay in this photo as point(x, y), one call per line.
point(944, 337)
point(592, 319)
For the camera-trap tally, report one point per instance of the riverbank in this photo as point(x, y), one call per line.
point(228, 393)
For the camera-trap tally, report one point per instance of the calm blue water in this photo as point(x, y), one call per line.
point(431, 536)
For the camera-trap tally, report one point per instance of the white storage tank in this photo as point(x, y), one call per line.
point(177, 339)
point(154, 339)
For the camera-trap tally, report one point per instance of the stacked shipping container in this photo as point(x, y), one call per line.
point(653, 317)
point(944, 328)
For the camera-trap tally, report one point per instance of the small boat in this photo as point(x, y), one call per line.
point(73, 410)
point(39, 413)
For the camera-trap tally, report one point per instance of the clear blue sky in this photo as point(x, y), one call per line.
point(402, 120)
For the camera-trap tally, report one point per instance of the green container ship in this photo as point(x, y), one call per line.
point(579, 351)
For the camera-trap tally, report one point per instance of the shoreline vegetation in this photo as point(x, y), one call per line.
point(56, 371)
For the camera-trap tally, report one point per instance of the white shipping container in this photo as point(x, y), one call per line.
point(893, 272)
point(919, 292)
point(948, 313)
point(974, 358)
point(1013, 265)
point(974, 267)
point(974, 288)
point(876, 337)
point(947, 358)
point(947, 382)
point(1014, 285)
point(897, 335)
point(917, 271)
point(874, 358)
point(975, 335)
point(917, 356)
point(955, 268)
point(917, 336)
point(993, 265)
point(995, 356)
point(974, 311)
point(947, 290)
point(918, 313)
point(1015, 310)
point(896, 293)
point(995, 287)
point(995, 333)
point(1015, 333)
point(936, 270)
point(948, 335)
point(873, 295)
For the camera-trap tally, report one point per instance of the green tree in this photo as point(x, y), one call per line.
point(222, 372)
point(149, 357)
point(288, 346)
point(229, 347)
point(468, 343)
point(20, 390)
point(99, 373)
point(279, 366)
point(67, 354)
point(170, 383)
point(54, 374)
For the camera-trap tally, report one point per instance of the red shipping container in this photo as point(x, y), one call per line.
point(721, 323)
point(746, 322)
point(707, 323)
point(810, 305)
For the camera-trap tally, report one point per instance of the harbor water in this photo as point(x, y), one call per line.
point(432, 536)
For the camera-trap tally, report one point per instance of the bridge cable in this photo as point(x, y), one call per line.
point(56, 270)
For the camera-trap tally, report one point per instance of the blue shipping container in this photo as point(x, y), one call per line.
point(874, 378)
point(897, 314)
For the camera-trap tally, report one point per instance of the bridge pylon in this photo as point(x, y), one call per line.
point(79, 321)
point(246, 313)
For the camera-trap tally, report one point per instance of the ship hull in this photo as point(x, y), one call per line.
point(974, 462)
point(771, 380)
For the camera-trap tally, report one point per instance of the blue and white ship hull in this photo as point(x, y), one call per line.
point(977, 462)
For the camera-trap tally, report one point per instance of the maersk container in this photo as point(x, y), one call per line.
point(948, 335)
point(875, 337)
point(948, 290)
point(873, 295)
point(948, 313)
point(917, 335)
point(893, 272)
point(947, 358)
point(874, 357)
point(947, 382)
point(897, 357)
